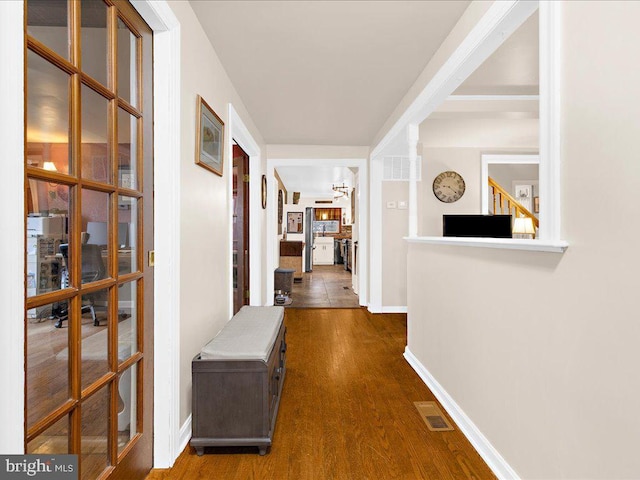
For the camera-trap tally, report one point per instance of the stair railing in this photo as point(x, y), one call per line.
point(513, 207)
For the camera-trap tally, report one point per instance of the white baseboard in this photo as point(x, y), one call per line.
point(396, 309)
point(185, 435)
point(488, 453)
point(386, 309)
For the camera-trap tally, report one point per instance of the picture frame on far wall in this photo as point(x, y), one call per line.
point(353, 206)
point(294, 222)
point(209, 138)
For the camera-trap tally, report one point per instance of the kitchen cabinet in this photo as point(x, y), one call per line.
point(323, 253)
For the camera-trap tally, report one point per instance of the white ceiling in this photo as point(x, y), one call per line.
point(324, 72)
point(316, 181)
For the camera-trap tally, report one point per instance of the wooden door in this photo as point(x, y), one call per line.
point(240, 228)
point(89, 228)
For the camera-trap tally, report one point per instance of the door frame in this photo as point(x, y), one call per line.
point(12, 240)
point(239, 133)
point(500, 159)
point(169, 436)
point(240, 225)
point(272, 255)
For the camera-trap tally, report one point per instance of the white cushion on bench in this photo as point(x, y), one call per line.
point(249, 335)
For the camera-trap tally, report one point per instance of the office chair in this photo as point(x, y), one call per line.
point(92, 269)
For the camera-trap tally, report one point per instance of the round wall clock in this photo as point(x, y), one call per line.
point(448, 187)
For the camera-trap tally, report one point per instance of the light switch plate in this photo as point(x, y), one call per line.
point(402, 205)
point(391, 204)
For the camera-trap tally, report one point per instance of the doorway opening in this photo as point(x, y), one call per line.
point(320, 215)
point(240, 199)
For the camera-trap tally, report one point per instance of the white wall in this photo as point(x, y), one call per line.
point(549, 374)
point(205, 223)
point(395, 226)
point(506, 174)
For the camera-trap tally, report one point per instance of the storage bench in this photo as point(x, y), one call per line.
point(237, 381)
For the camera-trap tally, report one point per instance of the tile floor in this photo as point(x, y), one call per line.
point(328, 286)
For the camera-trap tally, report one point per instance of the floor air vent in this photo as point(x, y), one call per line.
point(433, 416)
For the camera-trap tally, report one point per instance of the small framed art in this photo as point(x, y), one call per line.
point(209, 138)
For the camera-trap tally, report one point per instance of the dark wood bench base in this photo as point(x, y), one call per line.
point(235, 402)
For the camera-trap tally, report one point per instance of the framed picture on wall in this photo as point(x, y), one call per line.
point(524, 195)
point(353, 206)
point(280, 210)
point(209, 138)
point(294, 222)
point(523, 191)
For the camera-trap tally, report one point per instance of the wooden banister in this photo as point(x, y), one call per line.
point(512, 203)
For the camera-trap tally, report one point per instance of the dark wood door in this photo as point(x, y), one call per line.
point(240, 228)
point(89, 228)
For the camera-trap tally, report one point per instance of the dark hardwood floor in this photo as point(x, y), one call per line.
point(346, 412)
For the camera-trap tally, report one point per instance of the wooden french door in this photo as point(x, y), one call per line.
point(240, 228)
point(89, 232)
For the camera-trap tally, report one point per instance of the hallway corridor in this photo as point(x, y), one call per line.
point(346, 413)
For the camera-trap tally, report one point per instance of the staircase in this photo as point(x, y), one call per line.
point(501, 197)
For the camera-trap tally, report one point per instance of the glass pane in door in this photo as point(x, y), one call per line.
point(127, 406)
point(94, 351)
point(94, 39)
point(54, 440)
point(127, 320)
point(94, 457)
point(47, 115)
point(47, 360)
point(95, 219)
point(127, 234)
point(95, 153)
point(127, 64)
point(46, 230)
point(47, 21)
point(127, 150)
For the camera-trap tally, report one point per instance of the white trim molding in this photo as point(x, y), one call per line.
point(166, 91)
point(13, 227)
point(506, 159)
point(503, 243)
point(185, 433)
point(550, 154)
point(376, 172)
point(489, 454)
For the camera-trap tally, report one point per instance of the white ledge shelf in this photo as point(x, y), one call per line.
point(558, 246)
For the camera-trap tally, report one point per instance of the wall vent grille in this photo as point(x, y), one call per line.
point(396, 169)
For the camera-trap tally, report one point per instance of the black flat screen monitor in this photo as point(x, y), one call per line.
point(492, 226)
